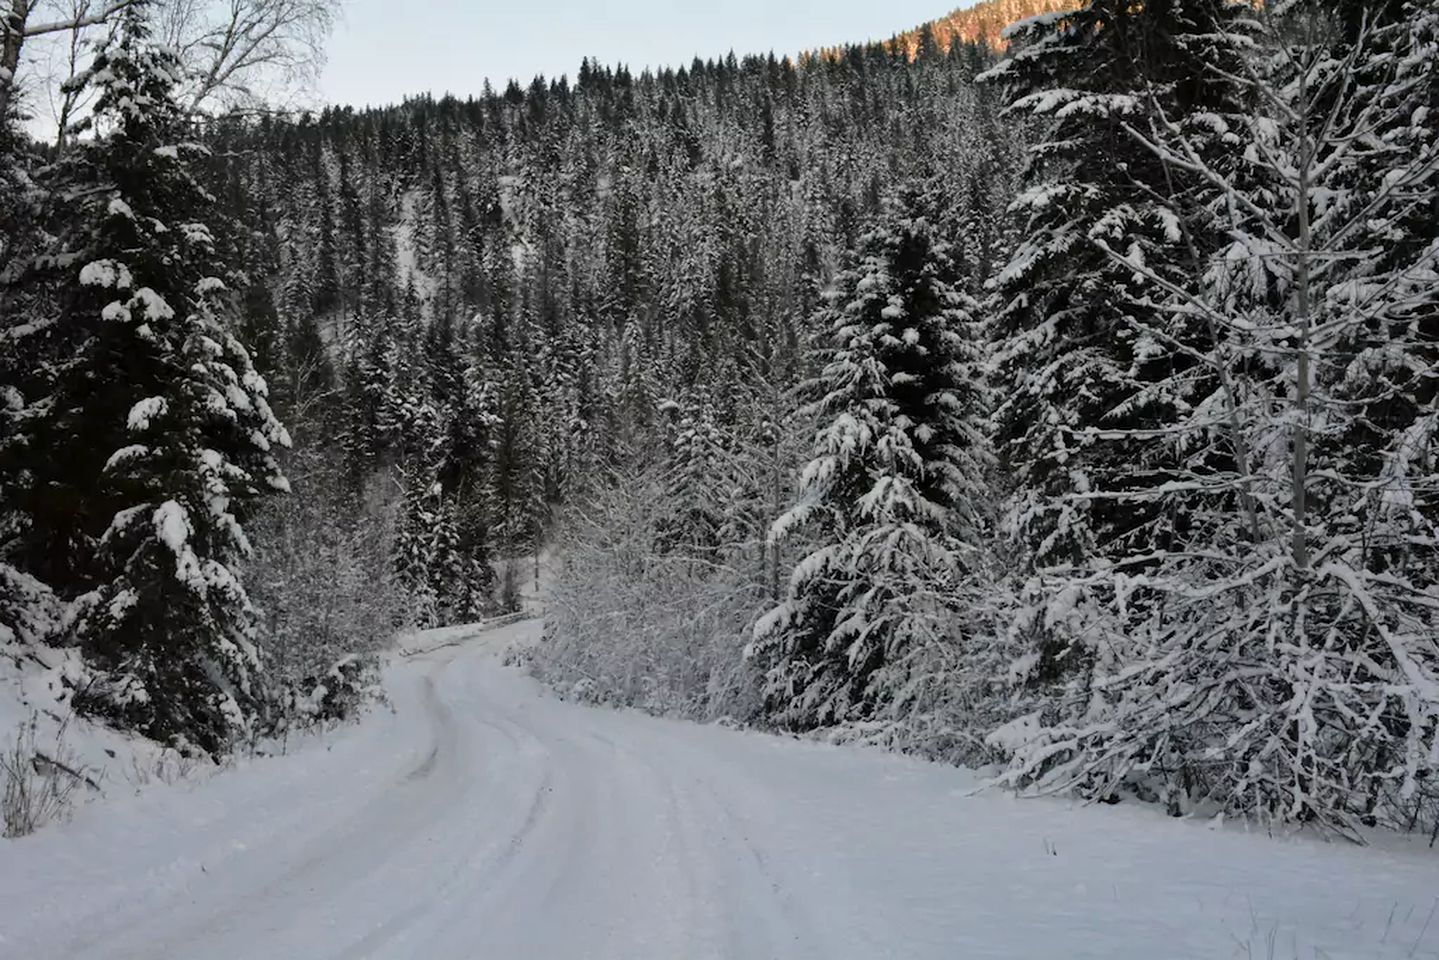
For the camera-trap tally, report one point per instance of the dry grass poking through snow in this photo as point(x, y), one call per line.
point(39, 784)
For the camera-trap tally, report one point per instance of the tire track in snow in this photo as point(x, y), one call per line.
point(469, 877)
point(355, 847)
point(490, 870)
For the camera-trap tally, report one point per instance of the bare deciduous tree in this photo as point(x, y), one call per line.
point(19, 26)
point(235, 51)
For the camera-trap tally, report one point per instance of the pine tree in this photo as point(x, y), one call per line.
point(158, 436)
point(1267, 648)
point(1079, 345)
point(696, 475)
point(419, 553)
point(1093, 372)
point(894, 491)
point(28, 608)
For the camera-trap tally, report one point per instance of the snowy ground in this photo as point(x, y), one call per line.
point(34, 708)
point(481, 818)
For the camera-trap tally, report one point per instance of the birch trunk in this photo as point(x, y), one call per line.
point(11, 42)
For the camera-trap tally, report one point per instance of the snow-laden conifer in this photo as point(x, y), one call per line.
point(1268, 646)
point(893, 496)
point(159, 435)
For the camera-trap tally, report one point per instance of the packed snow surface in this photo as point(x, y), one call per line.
point(482, 818)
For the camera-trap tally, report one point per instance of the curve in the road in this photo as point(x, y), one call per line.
point(482, 819)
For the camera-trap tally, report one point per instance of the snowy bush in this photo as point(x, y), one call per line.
point(630, 624)
point(30, 613)
point(336, 695)
point(323, 572)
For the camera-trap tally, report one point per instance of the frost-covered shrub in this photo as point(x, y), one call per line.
point(1239, 695)
point(323, 575)
point(323, 572)
point(630, 624)
point(30, 613)
point(333, 696)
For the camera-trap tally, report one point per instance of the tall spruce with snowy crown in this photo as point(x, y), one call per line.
point(1092, 372)
point(154, 435)
point(893, 497)
point(1080, 344)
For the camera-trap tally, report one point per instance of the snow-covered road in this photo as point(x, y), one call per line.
point(482, 818)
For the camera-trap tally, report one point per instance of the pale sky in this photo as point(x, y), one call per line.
point(386, 49)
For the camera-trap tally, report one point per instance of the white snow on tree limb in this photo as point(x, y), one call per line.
point(106, 273)
point(143, 413)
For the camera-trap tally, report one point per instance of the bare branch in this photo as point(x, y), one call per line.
point(104, 15)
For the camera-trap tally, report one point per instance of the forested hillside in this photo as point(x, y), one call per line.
point(468, 315)
point(499, 301)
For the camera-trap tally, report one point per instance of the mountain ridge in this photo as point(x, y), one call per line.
point(982, 22)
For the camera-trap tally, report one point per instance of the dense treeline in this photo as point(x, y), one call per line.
point(1217, 358)
point(515, 294)
point(1184, 546)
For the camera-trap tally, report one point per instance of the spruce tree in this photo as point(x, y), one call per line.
point(695, 479)
point(1079, 342)
point(1264, 643)
point(894, 495)
point(1093, 372)
point(28, 611)
point(420, 547)
point(158, 436)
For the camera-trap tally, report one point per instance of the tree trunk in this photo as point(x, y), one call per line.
point(12, 38)
point(775, 507)
point(1303, 302)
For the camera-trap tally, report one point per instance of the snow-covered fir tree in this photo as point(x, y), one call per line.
point(1079, 345)
point(698, 476)
point(1266, 644)
point(153, 437)
point(1092, 373)
point(894, 497)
